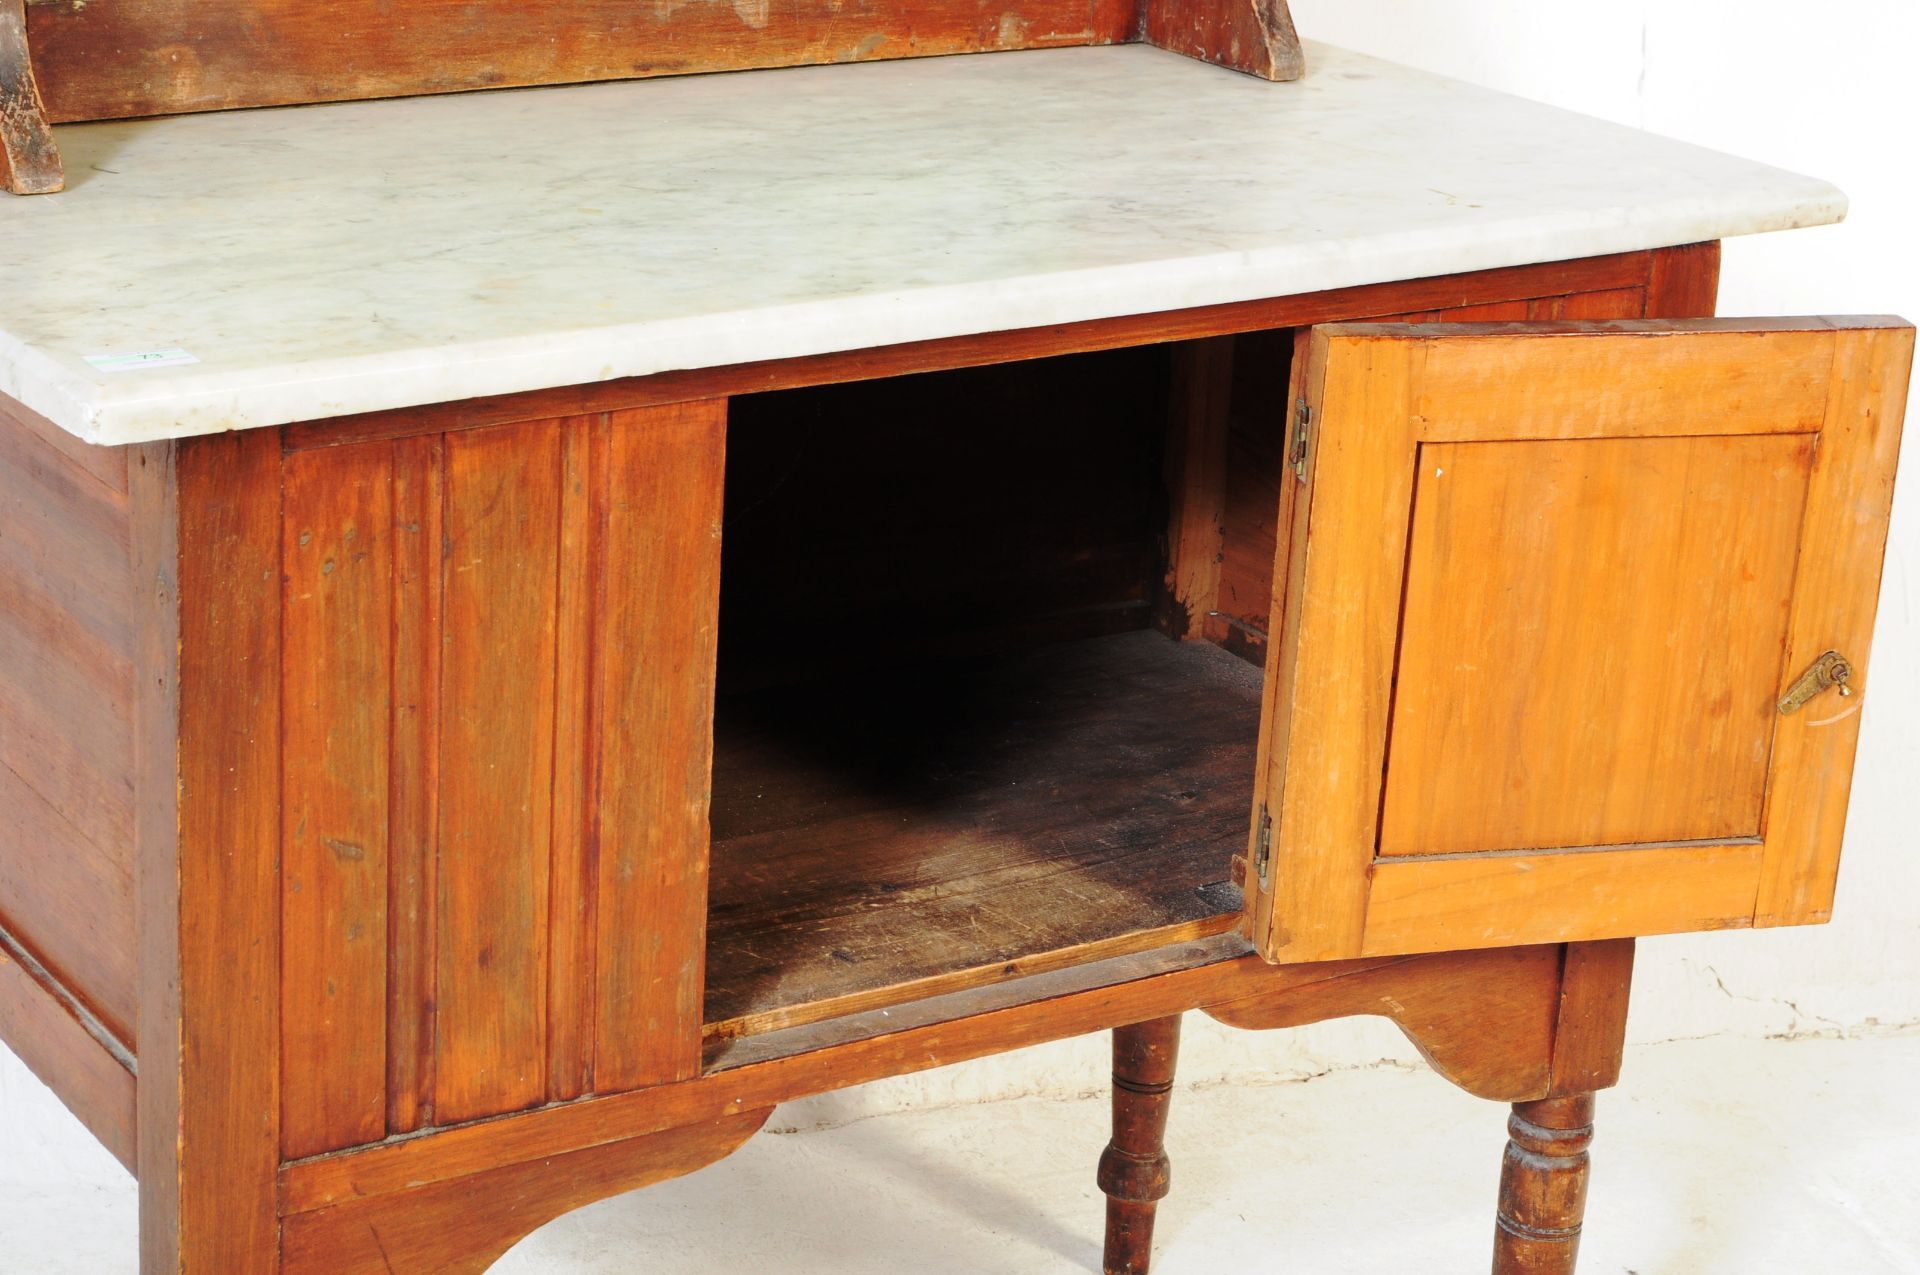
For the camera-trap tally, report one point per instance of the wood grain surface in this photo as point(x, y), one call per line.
point(1540, 704)
point(338, 567)
point(1524, 729)
point(67, 648)
point(110, 59)
point(1835, 598)
point(500, 652)
point(207, 553)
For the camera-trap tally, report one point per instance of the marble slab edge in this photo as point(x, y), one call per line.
point(126, 410)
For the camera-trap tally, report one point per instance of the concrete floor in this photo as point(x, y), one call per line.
point(1716, 1157)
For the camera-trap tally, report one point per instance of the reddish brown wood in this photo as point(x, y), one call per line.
point(338, 563)
point(1610, 303)
point(1623, 270)
point(1257, 441)
point(1543, 1186)
point(1684, 282)
point(502, 530)
point(462, 1225)
point(655, 676)
point(1134, 1171)
point(572, 903)
point(1196, 477)
point(413, 806)
point(155, 57)
point(1507, 990)
point(1255, 36)
point(68, 988)
point(207, 551)
point(1543, 1180)
point(29, 159)
point(106, 464)
point(68, 1050)
point(1591, 1030)
point(66, 691)
point(496, 883)
point(1485, 1020)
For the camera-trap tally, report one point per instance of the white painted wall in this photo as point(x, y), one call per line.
point(1822, 89)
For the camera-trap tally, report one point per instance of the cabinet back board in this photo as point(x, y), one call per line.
point(71, 60)
point(1539, 700)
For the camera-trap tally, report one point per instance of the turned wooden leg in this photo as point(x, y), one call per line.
point(1543, 1186)
point(1133, 1169)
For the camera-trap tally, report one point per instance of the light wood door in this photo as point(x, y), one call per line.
point(1543, 589)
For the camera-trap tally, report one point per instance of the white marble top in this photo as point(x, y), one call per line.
point(323, 260)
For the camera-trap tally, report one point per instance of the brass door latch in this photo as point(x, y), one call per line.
point(1831, 669)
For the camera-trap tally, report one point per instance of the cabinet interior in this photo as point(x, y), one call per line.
point(956, 738)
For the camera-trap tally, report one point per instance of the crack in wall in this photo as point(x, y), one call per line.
point(1870, 1029)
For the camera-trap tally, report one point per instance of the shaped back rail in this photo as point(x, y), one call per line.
point(118, 59)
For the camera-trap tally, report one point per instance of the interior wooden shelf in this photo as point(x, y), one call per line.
point(911, 832)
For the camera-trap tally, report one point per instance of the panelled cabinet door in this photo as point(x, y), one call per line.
point(1545, 589)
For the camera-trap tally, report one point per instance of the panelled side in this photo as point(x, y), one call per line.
point(499, 703)
point(66, 735)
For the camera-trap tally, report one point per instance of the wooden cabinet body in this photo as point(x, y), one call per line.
point(432, 821)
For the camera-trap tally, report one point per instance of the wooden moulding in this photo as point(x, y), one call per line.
point(1498, 1023)
point(1488, 1020)
point(462, 1226)
point(118, 59)
point(29, 160)
point(206, 544)
point(114, 59)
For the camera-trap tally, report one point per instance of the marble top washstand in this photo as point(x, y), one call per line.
point(253, 268)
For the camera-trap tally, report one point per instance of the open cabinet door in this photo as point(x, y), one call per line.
point(1545, 590)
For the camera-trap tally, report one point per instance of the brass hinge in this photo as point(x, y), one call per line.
point(1297, 454)
point(1263, 847)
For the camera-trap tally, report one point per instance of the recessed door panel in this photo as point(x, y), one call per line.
point(1591, 635)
